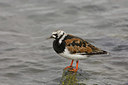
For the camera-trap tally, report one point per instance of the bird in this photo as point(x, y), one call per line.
point(73, 48)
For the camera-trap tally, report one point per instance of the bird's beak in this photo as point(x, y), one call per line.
point(50, 37)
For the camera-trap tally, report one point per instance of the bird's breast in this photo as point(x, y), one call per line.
point(59, 48)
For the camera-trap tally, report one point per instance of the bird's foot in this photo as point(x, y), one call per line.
point(67, 67)
point(73, 70)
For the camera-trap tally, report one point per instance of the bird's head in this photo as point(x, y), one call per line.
point(57, 34)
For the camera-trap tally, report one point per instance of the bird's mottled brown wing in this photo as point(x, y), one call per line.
point(78, 45)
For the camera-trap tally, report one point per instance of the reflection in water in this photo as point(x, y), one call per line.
point(72, 78)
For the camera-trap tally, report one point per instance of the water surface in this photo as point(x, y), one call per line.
point(27, 58)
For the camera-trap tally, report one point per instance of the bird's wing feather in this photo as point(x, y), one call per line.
point(78, 45)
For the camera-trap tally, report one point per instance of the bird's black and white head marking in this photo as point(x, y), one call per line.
point(59, 34)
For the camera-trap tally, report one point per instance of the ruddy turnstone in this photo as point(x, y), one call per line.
point(73, 47)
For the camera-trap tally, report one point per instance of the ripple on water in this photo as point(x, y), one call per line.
point(32, 70)
point(12, 74)
point(11, 49)
point(4, 5)
point(94, 8)
point(120, 48)
point(109, 44)
point(20, 66)
point(120, 63)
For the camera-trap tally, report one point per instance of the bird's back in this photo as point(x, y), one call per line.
point(77, 45)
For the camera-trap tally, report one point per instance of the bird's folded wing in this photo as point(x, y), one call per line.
point(78, 45)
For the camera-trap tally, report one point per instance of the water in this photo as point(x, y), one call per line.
point(27, 58)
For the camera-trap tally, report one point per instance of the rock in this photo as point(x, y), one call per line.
point(73, 78)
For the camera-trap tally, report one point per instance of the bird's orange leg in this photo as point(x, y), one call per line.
point(75, 70)
point(69, 66)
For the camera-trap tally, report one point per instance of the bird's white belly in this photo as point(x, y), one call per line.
point(76, 56)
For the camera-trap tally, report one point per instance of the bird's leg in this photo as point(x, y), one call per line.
point(75, 69)
point(69, 66)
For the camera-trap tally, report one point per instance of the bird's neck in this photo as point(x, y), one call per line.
point(61, 38)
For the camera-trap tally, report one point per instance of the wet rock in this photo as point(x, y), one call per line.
point(73, 78)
